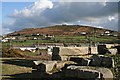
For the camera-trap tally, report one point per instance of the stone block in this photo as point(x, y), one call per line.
point(77, 72)
point(89, 72)
point(56, 51)
point(95, 60)
point(109, 45)
point(64, 58)
point(56, 57)
point(101, 60)
point(44, 66)
point(113, 51)
point(107, 62)
point(68, 51)
point(118, 48)
point(102, 49)
point(106, 73)
point(94, 50)
point(80, 61)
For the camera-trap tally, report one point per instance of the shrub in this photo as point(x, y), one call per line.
point(10, 52)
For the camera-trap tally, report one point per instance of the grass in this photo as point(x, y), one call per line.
point(116, 69)
point(11, 67)
point(27, 42)
point(63, 39)
point(83, 39)
point(70, 37)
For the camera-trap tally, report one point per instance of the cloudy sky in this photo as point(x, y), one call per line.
point(42, 13)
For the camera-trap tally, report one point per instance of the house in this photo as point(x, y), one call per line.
point(83, 33)
point(107, 32)
point(102, 34)
point(35, 38)
point(115, 35)
point(4, 40)
point(50, 36)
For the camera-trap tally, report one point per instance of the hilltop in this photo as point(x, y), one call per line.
point(61, 30)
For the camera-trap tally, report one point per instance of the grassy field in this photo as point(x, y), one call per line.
point(84, 39)
point(64, 39)
point(16, 68)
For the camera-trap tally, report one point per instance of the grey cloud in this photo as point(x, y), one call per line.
point(77, 10)
point(67, 12)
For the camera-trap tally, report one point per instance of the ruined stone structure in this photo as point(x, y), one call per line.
point(75, 62)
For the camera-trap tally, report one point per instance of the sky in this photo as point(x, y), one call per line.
point(42, 13)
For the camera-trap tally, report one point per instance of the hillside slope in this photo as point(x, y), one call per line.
point(61, 30)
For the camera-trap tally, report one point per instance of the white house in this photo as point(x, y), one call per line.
point(83, 33)
point(107, 32)
point(4, 40)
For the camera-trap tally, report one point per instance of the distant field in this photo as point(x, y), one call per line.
point(83, 39)
point(64, 39)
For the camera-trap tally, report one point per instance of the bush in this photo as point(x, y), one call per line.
point(117, 66)
point(10, 52)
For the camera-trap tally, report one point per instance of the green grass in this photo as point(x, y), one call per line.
point(27, 43)
point(12, 67)
point(116, 69)
point(70, 37)
point(83, 39)
point(64, 39)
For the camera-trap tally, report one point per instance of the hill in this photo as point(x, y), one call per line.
point(61, 30)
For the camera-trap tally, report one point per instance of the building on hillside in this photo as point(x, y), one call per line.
point(4, 40)
point(83, 33)
point(107, 33)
